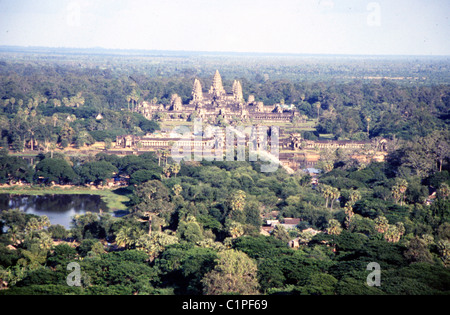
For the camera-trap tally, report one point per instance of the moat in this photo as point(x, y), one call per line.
point(59, 208)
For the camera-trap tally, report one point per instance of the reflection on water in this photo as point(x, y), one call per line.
point(58, 208)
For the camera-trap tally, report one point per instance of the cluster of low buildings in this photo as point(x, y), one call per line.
point(288, 224)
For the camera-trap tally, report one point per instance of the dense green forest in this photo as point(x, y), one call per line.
point(52, 101)
point(185, 233)
point(194, 227)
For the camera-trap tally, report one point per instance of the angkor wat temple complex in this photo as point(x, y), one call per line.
point(217, 103)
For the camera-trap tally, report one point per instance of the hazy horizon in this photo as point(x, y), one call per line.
point(47, 49)
point(309, 27)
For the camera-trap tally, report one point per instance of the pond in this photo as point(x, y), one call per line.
point(58, 208)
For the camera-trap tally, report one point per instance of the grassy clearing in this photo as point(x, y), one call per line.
point(327, 136)
point(115, 199)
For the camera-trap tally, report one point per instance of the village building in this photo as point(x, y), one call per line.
point(287, 223)
point(290, 223)
point(306, 236)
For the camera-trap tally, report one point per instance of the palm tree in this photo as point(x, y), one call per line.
point(318, 106)
point(177, 189)
point(155, 243)
point(355, 195)
point(52, 147)
point(122, 237)
point(128, 101)
point(67, 102)
point(44, 221)
point(12, 101)
point(443, 191)
point(134, 98)
point(77, 100)
point(348, 209)
point(398, 190)
point(403, 185)
point(128, 236)
point(280, 233)
point(159, 154)
point(335, 194)
point(34, 257)
point(391, 233)
point(37, 224)
point(45, 240)
point(334, 227)
point(150, 221)
point(235, 229)
point(396, 193)
point(400, 228)
point(368, 125)
point(55, 119)
point(394, 232)
point(165, 155)
point(17, 235)
point(237, 201)
point(326, 193)
point(20, 103)
point(32, 225)
point(444, 251)
point(30, 129)
point(441, 148)
point(56, 102)
point(175, 168)
point(167, 170)
point(381, 224)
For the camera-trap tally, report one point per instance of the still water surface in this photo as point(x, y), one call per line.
point(58, 208)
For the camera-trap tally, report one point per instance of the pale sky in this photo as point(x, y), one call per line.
point(386, 27)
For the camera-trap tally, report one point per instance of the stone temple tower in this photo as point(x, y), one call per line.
point(217, 89)
point(237, 91)
point(197, 94)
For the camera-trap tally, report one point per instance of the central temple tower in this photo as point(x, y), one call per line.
point(217, 89)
